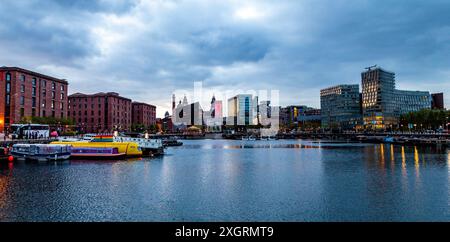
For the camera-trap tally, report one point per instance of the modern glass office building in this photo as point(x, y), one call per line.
point(241, 110)
point(382, 104)
point(340, 107)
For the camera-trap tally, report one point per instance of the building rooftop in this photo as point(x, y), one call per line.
point(99, 94)
point(18, 69)
point(142, 103)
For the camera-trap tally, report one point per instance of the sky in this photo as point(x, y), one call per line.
point(147, 49)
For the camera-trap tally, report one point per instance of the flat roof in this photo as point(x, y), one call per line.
point(99, 94)
point(18, 69)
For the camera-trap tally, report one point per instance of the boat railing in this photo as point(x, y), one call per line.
point(142, 142)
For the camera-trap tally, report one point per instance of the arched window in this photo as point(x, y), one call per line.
point(8, 76)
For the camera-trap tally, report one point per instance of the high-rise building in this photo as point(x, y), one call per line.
point(100, 112)
point(241, 110)
point(143, 114)
point(437, 100)
point(378, 94)
point(26, 94)
point(340, 108)
point(382, 104)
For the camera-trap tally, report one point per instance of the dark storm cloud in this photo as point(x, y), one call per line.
point(145, 49)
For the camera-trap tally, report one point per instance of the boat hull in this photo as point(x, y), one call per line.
point(128, 148)
point(98, 156)
point(40, 157)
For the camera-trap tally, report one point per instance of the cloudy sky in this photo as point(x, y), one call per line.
point(147, 49)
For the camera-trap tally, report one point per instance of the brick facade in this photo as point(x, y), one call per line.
point(100, 112)
point(24, 93)
point(144, 114)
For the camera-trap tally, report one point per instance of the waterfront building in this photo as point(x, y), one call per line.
point(411, 101)
point(437, 100)
point(165, 124)
point(290, 115)
point(242, 110)
point(100, 112)
point(340, 108)
point(214, 117)
point(143, 114)
point(264, 113)
point(27, 93)
point(186, 115)
point(310, 119)
point(382, 104)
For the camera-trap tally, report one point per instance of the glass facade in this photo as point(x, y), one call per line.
point(340, 107)
point(382, 104)
point(241, 110)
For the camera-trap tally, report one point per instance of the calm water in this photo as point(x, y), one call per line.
point(216, 180)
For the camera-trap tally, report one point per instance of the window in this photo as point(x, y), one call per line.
point(8, 99)
point(53, 113)
point(44, 83)
point(8, 87)
point(43, 103)
point(8, 77)
point(62, 96)
point(33, 82)
point(33, 102)
point(22, 88)
point(22, 112)
point(44, 93)
point(61, 106)
point(53, 106)
point(62, 87)
point(43, 113)
point(53, 85)
point(53, 94)
point(22, 100)
point(22, 78)
point(33, 91)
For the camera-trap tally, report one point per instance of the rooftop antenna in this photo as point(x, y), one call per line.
point(370, 67)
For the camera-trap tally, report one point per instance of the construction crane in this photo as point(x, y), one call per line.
point(370, 67)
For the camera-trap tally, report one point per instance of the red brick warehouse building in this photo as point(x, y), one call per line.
point(24, 93)
point(143, 114)
point(100, 112)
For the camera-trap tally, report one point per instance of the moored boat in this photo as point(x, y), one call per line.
point(96, 153)
point(41, 152)
point(148, 146)
point(106, 141)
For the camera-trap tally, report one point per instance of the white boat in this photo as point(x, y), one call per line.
point(148, 146)
point(41, 152)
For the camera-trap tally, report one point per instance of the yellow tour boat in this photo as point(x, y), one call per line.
point(106, 141)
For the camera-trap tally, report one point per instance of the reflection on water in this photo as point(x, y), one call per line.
point(214, 180)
